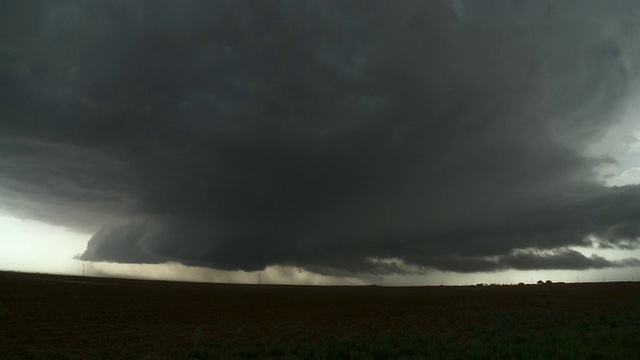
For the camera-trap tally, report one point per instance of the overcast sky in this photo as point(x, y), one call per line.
point(344, 139)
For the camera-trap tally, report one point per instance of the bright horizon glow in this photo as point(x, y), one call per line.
point(31, 246)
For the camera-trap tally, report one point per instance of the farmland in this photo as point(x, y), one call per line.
point(49, 316)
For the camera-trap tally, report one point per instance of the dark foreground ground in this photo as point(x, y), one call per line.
point(49, 316)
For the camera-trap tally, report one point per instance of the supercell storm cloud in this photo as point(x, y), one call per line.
point(336, 136)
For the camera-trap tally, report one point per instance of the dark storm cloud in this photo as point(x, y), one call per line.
point(531, 260)
point(62, 183)
point(565, 259)
point(326, 135)
point(110, 239)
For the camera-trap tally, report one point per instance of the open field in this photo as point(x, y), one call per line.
point(51, 316)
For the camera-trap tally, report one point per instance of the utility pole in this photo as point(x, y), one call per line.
point(259, 278)
point(82, 270)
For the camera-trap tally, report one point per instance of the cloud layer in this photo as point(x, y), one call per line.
point(320, 134)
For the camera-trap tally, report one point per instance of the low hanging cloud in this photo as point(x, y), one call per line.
point(449, 135)
point(561, 260)
point(532, 259)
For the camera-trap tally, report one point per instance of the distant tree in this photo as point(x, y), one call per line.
point(540, 282)
point(548, 282)
point(521, 283)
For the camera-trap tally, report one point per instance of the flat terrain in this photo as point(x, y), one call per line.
point(48, 314)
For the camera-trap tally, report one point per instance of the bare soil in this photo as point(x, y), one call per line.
point(91, 315)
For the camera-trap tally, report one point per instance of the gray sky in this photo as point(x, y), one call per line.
point(351, 139)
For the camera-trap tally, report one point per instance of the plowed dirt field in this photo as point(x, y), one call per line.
point(90, 315)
